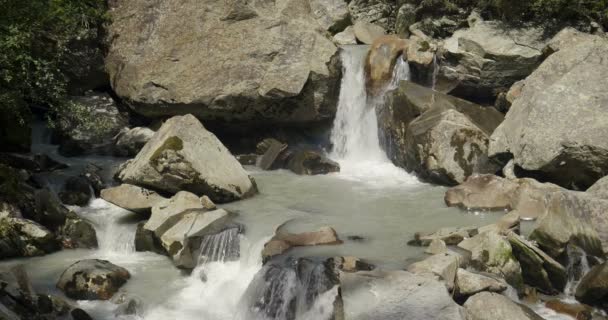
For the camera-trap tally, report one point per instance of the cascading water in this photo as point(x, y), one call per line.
point(356, 144)
point(220, 247)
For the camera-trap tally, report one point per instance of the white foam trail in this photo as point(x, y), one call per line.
point(356, 145)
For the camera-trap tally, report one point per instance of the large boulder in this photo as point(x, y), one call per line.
point(167, 212)
point(283, 241)
point(599, 189)
point(440, 137)
point(128, 142)
point(487, 58)
point(25, 238)
point(332, 15)
point(492, 306)
point(89, 125)
point(469, 283)
point(132, 198)
point(183, 155)
point(397, 295)
point(271, 61)
point(593, 288)
point(92, 279)
point(78, 233)
point(556, 127)
point(381, 60)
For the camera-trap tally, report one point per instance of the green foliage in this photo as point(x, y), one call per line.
point(35, 37)
point(76, 117)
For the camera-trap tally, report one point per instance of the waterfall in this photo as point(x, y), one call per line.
point(578, 266)
point(220, 247)
point(355, 139)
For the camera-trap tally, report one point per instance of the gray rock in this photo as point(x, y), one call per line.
point(492, 306)
point(76, 191)
point(332, 15)
point(469, 283)
point(406, 16)
point(599, 189)
point(450, 236)
point(78, 233)
point(488, 58)
point(271, 159)
point(132, 198)
point(311, 162)
point(566, 38)
point(129, 142)
point(146, 240)
point(92, 279)
point(437, 246)
point(367, 32)
point(351, 264)
point(382, 57)
point(25, 238)
point(397, 295)
point(415, 123)
point(556, 126)
point(538, 268)
point(443, 265)
point(345, 37)
point(183, 155)
point(593, 288)
point(167, 212)
point(271, 62)
point(490, 252)
point(380, 12)
point(95, 136)
point(283, 241)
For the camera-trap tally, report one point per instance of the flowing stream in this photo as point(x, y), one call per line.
point(374, 206)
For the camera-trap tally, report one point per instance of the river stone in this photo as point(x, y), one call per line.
point(178, 240)
point(450, 236)
point(283, 241)
point(492, 306)
point(25, 238)
point(593, 288)
point(557, 126)
point(129, 142)
point(49, 211)
point(271, 61)
point(167, 212)
point(414, 124)
point(538, 268)
point(397, 295)
point(380, 62)
point(78, 137)
point(345, 37)
point(490, 252)
point(599, 189)
point(146, 240)
point(443, 265)
point(132, 198)
point(271, 157)
point(573, 218)
point(93, 174)
point(437, 246)
point(311, 162)
point(469, 283)
point(332, 15)
point(92, 279)
point(487, 58)
point(183, 155)
point(367, 32)
point(78, 233)
point(351, 264)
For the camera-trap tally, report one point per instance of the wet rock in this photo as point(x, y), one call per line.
point(450, 236)
point(575, 310)
point(129, 142)
point(572, 218)
point(92, 279)
point(25, 238)
point(490, 252)
point(345, 37)
point(78, 233)
point(271, 156)
point(132, 198)
point(508, 222)
point(421, 57)
point(351, 264)
point(311, 162)
point(415, 123)
point(146, 240)
point(538, 268)
point(469, 283)
point(443, 265)
point(127, 305)
point(48, 209)
point(381, 60)
point(437, 246)
point(79, 314)
point(555, 128)
point(593, 288)
point(283, 241)
point(92, 173)
point(332, 15)
point(599, 189)
point(168, 211)
point(32, 162)
point(397, 295)
point(271, 64)
point(491, 306)
point(76, 191)
point(78, 137)
point(367, 32)
point(486, 58)
point(183, 155)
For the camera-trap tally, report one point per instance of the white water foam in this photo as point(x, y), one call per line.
point(356, 145)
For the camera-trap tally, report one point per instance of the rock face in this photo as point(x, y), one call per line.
point(487, 58)
point(599, 189)
point(593, 288)
point(183, 155)
point(556, 126)
point(283, 241)
point(573, 218)
point(78, 137)
point(25, 238)
point(92, 280)
point(397, 295)
point(442, 138)
point(271, 61)
point(129, 142)
point(380, 62)
point(133, 198)
point(492, 306)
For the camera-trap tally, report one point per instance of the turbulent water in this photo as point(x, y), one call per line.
point(370, 200)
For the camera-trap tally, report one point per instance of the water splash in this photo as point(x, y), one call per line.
point(578, 266)
point(220, 247)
